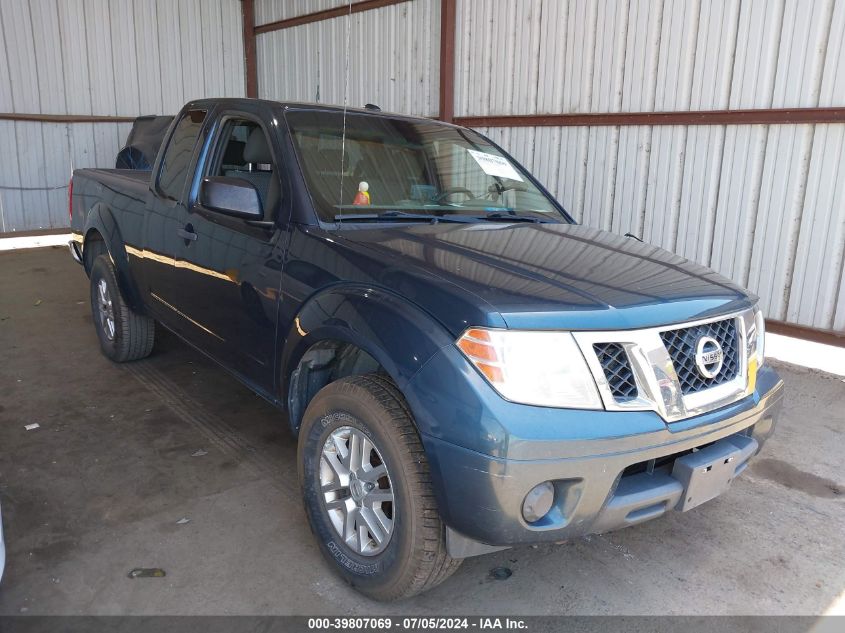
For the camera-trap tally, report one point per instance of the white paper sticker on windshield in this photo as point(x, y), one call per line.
point(495, 165)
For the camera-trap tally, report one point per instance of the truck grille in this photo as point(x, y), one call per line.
point(655, 369)
point(681, 347)
point(617, 370)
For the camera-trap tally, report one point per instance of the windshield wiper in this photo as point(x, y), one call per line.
point(390, 216)
point(506, 217)
point(402, 216)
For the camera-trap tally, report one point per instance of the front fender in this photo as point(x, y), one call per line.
point(399, 335)
point(101, 220)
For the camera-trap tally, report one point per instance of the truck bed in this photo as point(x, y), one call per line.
point(106, 175)
point(124, 191)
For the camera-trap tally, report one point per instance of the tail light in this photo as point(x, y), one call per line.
point(70, 199)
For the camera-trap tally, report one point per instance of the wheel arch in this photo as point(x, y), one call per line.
point(102, 234)
point(347, 330)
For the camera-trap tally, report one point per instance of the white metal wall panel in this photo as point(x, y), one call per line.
point(816, 286)
point(642, 55)
point(11, 200)
point(125, 67)
point(210, 23)
point(805, 35)
point(267, 11)
point(763, 205)
point(167, 16)
point(100, 57)
point(699, 192)
point(28, 142)
point(715, 55)
point(99, 48)
point(145, 18)
point(832, 90)
point(393, 60)
point(233, 48)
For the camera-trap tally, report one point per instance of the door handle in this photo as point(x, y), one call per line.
point(187, 233)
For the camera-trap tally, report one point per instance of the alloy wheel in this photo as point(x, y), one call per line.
point(104, 303)
point(356, 490)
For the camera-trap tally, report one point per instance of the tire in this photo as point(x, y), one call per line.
point(413, 558)
point(129, 336)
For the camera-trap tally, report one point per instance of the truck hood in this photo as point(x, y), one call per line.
point(556, 276)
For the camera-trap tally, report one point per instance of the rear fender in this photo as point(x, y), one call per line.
point(101, 220)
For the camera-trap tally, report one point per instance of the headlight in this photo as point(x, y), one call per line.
point(759, 336)
point(540, 368)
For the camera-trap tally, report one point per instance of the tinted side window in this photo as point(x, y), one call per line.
point(231, 145)
point(243, 151)
point(177, 156)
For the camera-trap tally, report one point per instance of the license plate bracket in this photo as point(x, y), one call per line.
point(706, 473)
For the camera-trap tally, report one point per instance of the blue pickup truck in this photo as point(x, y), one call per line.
point(465, 367)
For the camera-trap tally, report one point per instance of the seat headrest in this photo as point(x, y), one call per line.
point(234, 154)
point(257, 150)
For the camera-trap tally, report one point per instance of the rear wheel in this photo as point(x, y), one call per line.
point(124, 335)
point(367, 490)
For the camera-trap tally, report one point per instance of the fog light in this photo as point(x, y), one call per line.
point(538, 502)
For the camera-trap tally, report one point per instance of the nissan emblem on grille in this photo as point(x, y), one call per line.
point(708, 356)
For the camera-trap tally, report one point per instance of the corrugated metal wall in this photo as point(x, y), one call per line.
point(393, 61)
point(565, 56)
point(762, 204)
point(100, 57)
point(275, 10)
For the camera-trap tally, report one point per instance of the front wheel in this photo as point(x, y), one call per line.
point(124, 335)
point(367, 490)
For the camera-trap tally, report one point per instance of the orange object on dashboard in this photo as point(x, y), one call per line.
point(362, 198)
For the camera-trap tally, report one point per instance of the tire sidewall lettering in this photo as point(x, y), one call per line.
point(355, 565)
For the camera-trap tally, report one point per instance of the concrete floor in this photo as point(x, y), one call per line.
point(100, 488)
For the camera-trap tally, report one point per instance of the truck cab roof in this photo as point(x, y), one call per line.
point(234, 102)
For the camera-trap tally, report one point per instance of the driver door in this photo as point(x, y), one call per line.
point(229, 267)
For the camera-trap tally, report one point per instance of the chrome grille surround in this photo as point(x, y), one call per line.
point(659, 387)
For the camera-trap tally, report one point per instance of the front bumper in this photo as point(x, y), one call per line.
point(74, 247)
point(601, 484)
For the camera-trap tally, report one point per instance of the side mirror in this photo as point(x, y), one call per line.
point(232, 196)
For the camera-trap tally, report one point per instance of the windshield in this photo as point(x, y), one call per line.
point(399, 170)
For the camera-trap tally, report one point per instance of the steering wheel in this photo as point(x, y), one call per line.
point(451, 191)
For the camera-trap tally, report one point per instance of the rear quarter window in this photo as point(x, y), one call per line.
point(177, 156)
